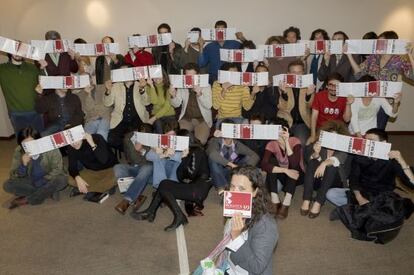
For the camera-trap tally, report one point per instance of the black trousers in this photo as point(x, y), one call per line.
point(289, 184)
point(330, 179)
point(117, 134)
point(196, 191)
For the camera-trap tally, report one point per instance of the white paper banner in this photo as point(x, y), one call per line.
point(237, 202)
point(369, 89)
point(353, 145)
point(218, 34)
point(91, 49)
point(64, 82)
point(322, 46)
point(377, 46)
point(136, 73)
point(247, 79)
point(20, 49)
point(178, 143)
point(53, 46)
point(147, 41)
point(293, 80)
point(250, 131)
point(55, 141)
point(246, 55)
point(283, 50)
point(188, 81)
point(193, 36)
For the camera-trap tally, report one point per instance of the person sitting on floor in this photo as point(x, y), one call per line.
point(93, 153)
point(192, 186)
point(34, 178)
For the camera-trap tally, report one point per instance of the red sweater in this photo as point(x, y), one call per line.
point(142, 58)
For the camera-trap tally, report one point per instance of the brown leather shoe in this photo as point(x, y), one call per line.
point(18, 202)
point(283, 212)
point(313, 215)
point(304, 212)
point(122, 206)
point(139, 202)
point(276, 207)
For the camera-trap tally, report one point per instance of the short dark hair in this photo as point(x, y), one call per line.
point(171, 125)
point(275, 38)
point(196, 29)
point(25, 133)
point(79, 41)
point(248, 44)
point(229, 65)
point(52, 35)
point(381, 134)
point(335, 76)
point(110, 38)
point(292, 29)
point(220, 23)
point(281, 121)
point(322, 31)
point(346, 37)
point(226, 120)
point(366, 78)
point(257, 116)
point(164, 26)
point(296, 62)
point(261, 65)
point(191, 66)
point(389, 35)
point(370, 35)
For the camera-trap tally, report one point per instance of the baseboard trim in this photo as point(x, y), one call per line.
point(7, 138)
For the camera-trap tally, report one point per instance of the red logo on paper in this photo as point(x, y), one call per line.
point(100, 49)
point(69, 82)
point(238, 201)
point(381, 46)
point(139, 72)
point(220, 35)
point(153, 40)
point(246, 78)
point(189, 81)
point(59, 46)
point(277, 50)
point(320, 46)
point(59, 139)
point(291, 80)
point(374, 88)
point(246, 131)
point(358, 146)
point(164, 141)
point(238, 56)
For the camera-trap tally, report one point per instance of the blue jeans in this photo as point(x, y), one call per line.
point(141, 174)
point(221, 174)
point(337, 196)
point(98, 126)
point(21, 120)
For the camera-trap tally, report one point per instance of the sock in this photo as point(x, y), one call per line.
point(275, 197)
point(288, 199)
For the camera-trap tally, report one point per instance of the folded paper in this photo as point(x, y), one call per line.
point(323, 46)
point(283, 50)
point(188, 81)
point(248, 79)
point(245, 55)
point(369, 89)
point(20, 49)
point(218, 34)
point(178, 143)
point(250, 131)
point(147, 41)
point(377, 46)
point(91, 49)
point(136, 73)
point(53, 46)
point(293, 80)
point(64, 82)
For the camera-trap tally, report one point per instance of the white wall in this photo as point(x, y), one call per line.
point(93, 19)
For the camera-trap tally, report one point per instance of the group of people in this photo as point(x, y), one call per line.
point(111, 112)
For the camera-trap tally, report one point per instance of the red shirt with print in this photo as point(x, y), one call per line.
point(328, 110)
point(142, 58)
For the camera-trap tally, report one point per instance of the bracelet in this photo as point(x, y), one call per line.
point(94, 147)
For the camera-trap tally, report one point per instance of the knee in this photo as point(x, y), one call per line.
point(8, 186)
point(120, 171)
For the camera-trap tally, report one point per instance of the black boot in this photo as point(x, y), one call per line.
point(149, 213)
point(179, 216)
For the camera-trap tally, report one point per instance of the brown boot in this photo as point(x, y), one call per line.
point(283, 212)
point(122, 206)
point(139, 202)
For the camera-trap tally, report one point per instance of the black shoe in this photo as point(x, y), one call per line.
point(334, 216)
point(179, 216)
point(74, 192)
point(149, 213)
point(112, 190)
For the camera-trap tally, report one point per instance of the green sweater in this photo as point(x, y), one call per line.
point(18, 84)
point(161, 104)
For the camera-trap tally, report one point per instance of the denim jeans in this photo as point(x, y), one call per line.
point(21, 120)
point(142, 175)
point(337, 196)
point(163, 168)
point(98, 126)
point(221, 174)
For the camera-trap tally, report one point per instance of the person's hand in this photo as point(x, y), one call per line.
point(240, 36)
point(72, 54)
point(159, 151)
point(152, 120)
point(397, 98)
point(311, 89)
point(327, 56)
point(82, 185)
point(113, 57)
point(226, 85)
point(197, 90)
point(291, 173)
point(201, 42)
point(135, 49)
point(282, 87)
point(88, 89)
point(89, 139)
point(410, 49)
point(217, 133)
point(266, 62)
point(43, 64)
point(172, 91)
point(361, 200)
point(395, 154)
point(39, 89)
point(185, 153)
point(150, 82)
point(237, 225)
point(142, 83)
point(320, 171)
point(171, 47)
point(310, 140)
point(232, 165)
point(187, 44)
point(284, 134)
point(345, 49)
point(169, 152)
point(307, 53)
point(317, 149)
point(108, 85)
point(350, 99)
point(138, 147)
point(26, 159)
point(255, 90)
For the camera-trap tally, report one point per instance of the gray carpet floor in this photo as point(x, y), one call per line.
point(77, 237)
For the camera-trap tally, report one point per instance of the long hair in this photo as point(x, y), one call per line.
point(261, 202)
point(165, 84)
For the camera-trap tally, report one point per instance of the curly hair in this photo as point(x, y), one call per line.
point(292, 29)
point(261, 202)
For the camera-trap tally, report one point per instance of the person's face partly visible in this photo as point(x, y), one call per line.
point(319, 36)
point(170, 133)
point(163, 30)
point(228, 141)
point(332, 87)
point(106, 39)
point(27, 139)
point(291, 37)
point(372, 137)
point(261, 69)
point(255, 122)
point(233, 70)
point(158, 80)
point(76, 145)
point(220, 27)
point(298, 70)
point(338, 37)
point(62, 90)
point(17, 58)
point(190, 72)
point(240, 183)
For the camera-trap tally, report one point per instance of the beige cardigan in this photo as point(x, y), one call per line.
point(117, 98)
point(305, 107)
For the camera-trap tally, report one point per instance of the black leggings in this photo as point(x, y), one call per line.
point(330, 179)
point(196, 191)
point(289, 184)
